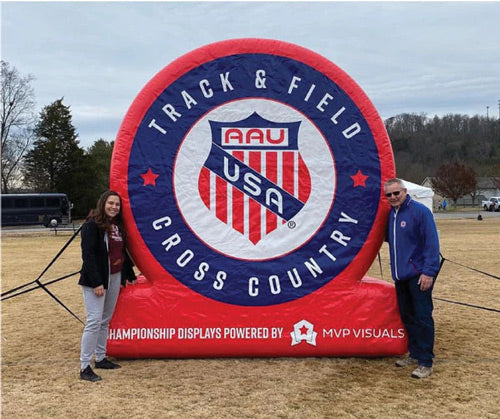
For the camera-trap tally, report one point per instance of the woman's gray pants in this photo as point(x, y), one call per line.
point(99, 313)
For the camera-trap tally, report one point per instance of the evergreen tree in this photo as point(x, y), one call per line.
point(93, 177)
point(99, 155)
point(55, 162)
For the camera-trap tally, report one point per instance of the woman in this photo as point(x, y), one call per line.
point(106, 266)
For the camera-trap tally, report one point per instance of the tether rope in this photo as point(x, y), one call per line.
point(443, 259)
point(466, 304)
point(6, 295)
point(472, 269)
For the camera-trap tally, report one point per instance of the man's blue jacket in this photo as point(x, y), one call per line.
point(413, 241)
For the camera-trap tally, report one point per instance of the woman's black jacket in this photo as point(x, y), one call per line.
point(95, 267)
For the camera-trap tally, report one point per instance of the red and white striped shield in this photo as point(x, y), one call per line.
point(254, 178)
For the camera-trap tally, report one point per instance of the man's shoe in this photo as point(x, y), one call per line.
point(422, 372)
point(405, 362)
point(106, 364)
point(88, 375)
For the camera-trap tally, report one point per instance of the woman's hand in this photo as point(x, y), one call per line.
point(99, 291)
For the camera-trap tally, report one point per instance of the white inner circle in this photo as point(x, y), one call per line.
point(222, 237)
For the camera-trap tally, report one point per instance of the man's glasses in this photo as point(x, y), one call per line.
point(395, 193)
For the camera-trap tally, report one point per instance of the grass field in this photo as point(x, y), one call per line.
point(40, 349)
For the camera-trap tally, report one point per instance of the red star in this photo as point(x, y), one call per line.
point(303, 330)
point(359, 179)
point(149, 178)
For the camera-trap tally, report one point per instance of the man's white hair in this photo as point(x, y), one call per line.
point(395, 180)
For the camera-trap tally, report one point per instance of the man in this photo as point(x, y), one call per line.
point(414, 251)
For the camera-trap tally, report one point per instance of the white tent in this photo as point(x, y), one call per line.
point(420, 193)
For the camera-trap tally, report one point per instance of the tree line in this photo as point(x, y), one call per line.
point(42, 153)
point(422, 144)
point(453, 150)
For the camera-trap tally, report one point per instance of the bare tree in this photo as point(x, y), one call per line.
point(454, 180)
point(17, 120)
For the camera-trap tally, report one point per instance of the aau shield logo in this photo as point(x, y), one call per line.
point(254, 179)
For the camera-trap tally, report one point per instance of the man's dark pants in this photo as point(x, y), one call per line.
point(415, 307)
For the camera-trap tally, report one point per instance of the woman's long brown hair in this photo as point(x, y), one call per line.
point(101, 219)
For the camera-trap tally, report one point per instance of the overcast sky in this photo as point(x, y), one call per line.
point(424, 57)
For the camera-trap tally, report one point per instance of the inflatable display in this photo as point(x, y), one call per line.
point(251, 173)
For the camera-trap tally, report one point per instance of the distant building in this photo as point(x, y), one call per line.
point(486, 188)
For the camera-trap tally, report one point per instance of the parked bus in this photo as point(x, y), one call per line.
point(35, 208)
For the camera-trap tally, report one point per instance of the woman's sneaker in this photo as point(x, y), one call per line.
point(405, 362)
point(88, 375)
point(106, 364)
point(422, 372)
